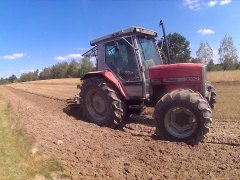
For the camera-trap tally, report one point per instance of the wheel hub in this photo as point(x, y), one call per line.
point(180, 122)
point(98, 103)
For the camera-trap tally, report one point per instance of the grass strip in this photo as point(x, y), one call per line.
point(16, 159)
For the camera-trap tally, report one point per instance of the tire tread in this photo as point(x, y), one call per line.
point(195, 100)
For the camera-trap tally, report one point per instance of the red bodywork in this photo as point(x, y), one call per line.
point(170, 76)
point(173, 76)
point(107, 74)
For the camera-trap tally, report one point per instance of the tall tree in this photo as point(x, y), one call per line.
point(228, 53)
point(30, 76)
point(205, 53)
point(59, 70)
point(195, 60)
point(179, 48)
point(86, 65)
point(3, 81)
point(46, 73)
point(12, 78)
point(73, 69)
point(211, 66)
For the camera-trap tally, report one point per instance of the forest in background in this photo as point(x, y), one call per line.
point(180, 52)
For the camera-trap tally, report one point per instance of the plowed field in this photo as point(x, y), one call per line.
point(88, 151)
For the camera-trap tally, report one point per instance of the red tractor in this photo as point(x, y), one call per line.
point(130, 74)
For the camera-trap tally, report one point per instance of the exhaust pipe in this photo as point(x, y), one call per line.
point(165, 41)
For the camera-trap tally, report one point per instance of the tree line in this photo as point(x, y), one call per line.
point(74, 69)
point(180, 52)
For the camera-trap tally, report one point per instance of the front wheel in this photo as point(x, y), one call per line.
point(182, 115)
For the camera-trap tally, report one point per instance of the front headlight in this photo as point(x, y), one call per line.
point(204, 73)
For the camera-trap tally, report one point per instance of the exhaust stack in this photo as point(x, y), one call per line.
point(165, 41)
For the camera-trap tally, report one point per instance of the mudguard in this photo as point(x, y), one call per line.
point(108, 75)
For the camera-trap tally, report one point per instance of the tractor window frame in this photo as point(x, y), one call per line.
point(123, 62)
point(149, 58)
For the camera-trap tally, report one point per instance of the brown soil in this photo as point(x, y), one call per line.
point(88, 151)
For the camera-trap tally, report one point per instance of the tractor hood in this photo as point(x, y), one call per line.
point(176, 71)
point(173, 76)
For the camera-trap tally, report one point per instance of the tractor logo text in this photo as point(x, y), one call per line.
point(169, 80)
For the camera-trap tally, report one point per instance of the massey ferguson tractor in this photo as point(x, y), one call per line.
point(130, 74)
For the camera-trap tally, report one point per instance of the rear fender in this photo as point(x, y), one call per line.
point(109, 76)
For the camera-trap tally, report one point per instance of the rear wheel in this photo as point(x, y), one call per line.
point(101, 103)
point(182, 115)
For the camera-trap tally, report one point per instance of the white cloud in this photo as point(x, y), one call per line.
point(13, 56)
point(205, 31)
point(212, 3)
point(74, 56)
point(199, 4)
point(192, 4)
point(83, 49)
point(60, 58)
point(68, 57)
point(224, 2)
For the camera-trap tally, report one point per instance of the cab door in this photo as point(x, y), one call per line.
point(149, 56)
point(120, 58)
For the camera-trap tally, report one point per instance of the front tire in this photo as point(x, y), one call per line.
point(182, 115)
point(101, 103)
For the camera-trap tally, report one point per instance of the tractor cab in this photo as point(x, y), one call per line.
point(128, 54)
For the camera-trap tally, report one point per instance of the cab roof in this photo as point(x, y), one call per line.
point(124, 32)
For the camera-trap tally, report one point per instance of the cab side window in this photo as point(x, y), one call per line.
point(120, 58)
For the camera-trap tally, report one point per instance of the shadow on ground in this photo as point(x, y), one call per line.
point(136, 125)
point(73, 109)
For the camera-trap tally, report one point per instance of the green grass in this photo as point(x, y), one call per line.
point(16, 160)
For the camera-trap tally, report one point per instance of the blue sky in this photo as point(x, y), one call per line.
point(39, 33)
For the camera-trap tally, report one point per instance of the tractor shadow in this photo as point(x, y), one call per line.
point(139, 120)
point(141, 126)
point(73, 109)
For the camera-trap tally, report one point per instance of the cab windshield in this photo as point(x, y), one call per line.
point(149, 52)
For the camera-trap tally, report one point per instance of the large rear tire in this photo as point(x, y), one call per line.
point(101, 103)
point(182, 115)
